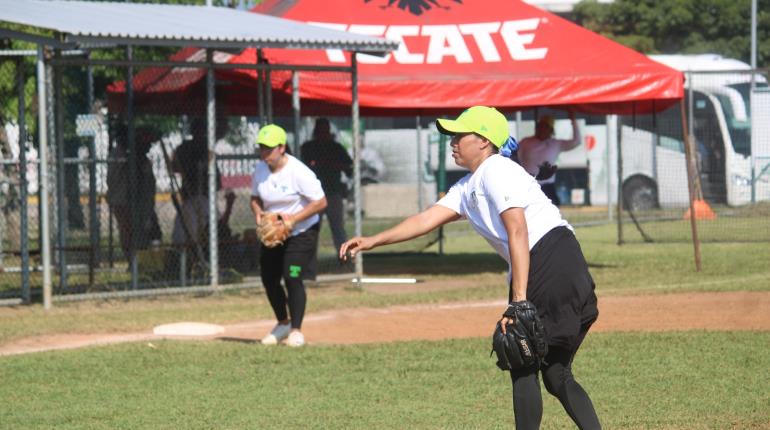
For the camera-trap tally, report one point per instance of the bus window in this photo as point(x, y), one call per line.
point(667, 124)
point(739, 126)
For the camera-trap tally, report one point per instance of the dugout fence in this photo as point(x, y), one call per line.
point(112, 183)
point(102, 208)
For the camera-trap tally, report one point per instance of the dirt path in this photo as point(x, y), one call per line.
point(696, 311)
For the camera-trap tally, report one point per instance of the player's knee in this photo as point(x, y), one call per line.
point(555, 378)
point(292, 274)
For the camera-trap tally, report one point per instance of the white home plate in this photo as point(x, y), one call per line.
point(188, 329)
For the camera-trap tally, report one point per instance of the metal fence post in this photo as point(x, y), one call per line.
point(619, 208)
point(260, 91)
point(211, 124)
point(42, 126)
point(61, 205)
point(418, 128)
point(25, 287)
point(132, 182)
point(608, 164)
point(295, 107)
point(356, 163)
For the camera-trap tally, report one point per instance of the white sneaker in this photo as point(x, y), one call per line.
point(277, 334)
point(295, 339)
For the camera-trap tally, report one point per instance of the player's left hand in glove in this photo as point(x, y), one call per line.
point(274, 229)
point(522, 342)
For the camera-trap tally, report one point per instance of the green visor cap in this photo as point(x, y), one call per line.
point(485, 121)
point(271, 136)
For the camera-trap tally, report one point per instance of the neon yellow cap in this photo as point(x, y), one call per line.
point(271, 136)
point(482, 120)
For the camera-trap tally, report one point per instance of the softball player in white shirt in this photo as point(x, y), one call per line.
point(507, 207)
point(282, 184)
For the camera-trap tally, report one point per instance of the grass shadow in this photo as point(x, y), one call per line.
point(433, 263)
point(238, 340)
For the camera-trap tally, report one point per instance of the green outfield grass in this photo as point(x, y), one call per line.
point(634, 268)
point(641, 268)
point(686, 380)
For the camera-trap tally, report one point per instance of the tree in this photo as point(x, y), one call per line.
point(681, 26)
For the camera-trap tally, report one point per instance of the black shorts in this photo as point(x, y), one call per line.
point(297, 257)
point(561, 288)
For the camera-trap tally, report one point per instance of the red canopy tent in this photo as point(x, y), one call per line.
point(453, 55)
point(456, 54)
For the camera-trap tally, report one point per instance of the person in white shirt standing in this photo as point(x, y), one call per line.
point(547, 270)
point(542, 150)
point(283, 184)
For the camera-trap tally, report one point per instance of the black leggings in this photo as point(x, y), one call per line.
point(558, 380)
point(293, 261)
point(278, 297)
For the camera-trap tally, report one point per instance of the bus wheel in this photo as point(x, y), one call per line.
point(640, 194)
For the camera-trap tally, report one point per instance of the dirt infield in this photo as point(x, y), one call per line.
point(694, 311)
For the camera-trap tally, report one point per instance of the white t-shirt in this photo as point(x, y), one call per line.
point(288, 191)
point(499, 184)
point(533, 152)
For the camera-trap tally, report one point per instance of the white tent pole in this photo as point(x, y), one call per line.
point(42, 124)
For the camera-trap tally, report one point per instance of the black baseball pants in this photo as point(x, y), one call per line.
point(293, 262)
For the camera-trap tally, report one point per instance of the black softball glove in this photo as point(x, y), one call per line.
point(523, 344)
point(545, 171)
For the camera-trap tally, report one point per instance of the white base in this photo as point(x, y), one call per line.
point(386, 280)
point(188, 329)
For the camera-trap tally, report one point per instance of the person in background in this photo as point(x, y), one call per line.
point(329, 160)
point(538, 153)
point(283, 185)
point(190, 160)
point(121, 198)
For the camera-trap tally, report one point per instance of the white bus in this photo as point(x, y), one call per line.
point(654, 169)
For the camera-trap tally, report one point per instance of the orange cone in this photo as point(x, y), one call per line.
point(702, 211)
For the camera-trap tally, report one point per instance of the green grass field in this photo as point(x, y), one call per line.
point(634, 268)
point(687, 380)
point(680, 380)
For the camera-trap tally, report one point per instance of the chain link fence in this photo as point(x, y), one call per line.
point(728, 124)
point(106, 203)
point(19, 181)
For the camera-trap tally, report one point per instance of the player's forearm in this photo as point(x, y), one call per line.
point(520, 266)
point(412, 227)
point(256, 208)
point(311, 209)
point(518, 246)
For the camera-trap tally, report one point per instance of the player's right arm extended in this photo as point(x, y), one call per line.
point(414, 226)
